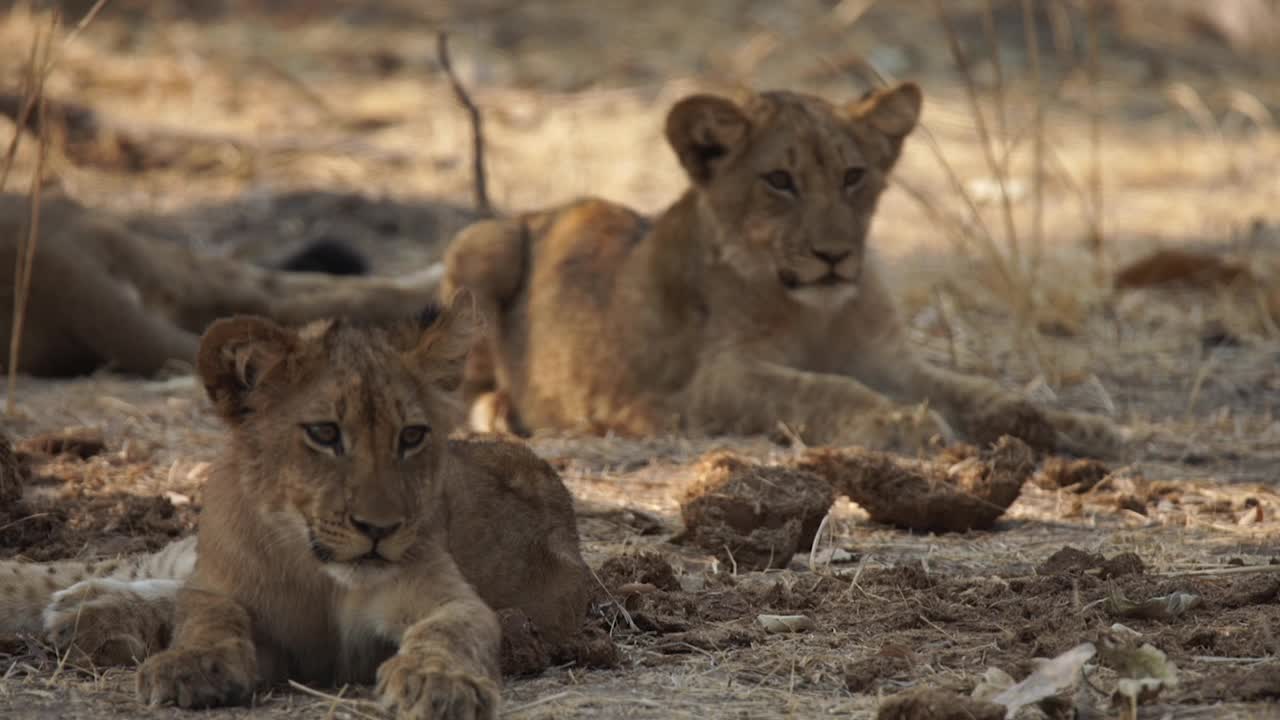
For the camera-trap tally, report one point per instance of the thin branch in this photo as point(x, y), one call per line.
point(477, 126)
point(25, 261)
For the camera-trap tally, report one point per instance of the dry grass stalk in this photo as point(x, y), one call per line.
point(984, 135)
point(360, 708)
point(477, 126)
point(997, 69)
point(1095, 134)
point(84, 22)
point(1037, 136)
point(38, 69)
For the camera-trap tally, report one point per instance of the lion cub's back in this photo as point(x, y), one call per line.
point(513, 533)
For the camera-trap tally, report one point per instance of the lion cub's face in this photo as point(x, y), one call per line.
point(793, 181)
point(343, 426)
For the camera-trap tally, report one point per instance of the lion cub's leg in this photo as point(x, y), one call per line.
point(448, 639)
point(733, 394)
point(125, 616)
point(982, 410)
point(212, 661)
point(111, 612)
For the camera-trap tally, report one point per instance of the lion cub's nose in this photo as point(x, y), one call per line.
point(374, 531)
point(831, 258)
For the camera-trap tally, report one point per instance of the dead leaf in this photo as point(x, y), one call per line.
point(1052, 677)
point(1165, 607)
point(1144, 670)
point(994, 681)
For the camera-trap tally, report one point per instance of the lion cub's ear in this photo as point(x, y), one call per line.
point(704, 130)
point(893, 111)
point(236, 356)
point(446, 340)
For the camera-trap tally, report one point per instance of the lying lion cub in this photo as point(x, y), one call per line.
point(104, 295)
point(342, 538)
point(749, 301)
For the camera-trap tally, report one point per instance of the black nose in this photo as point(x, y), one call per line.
point(374, 531)
point(831, 258)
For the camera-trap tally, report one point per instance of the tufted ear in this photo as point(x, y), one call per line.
point(447, 337)
point(703, 130)
point(893, 111)
point(237, 356)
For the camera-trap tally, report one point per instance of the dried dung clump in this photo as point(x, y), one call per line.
point(1073, 561)
point(931, 704)
point(523, 652)
point(643, 568)
point(969, 494)
point(751, 515)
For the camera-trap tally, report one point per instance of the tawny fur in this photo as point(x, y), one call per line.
point(751, 301)
point(281, 588)
point(105, 295)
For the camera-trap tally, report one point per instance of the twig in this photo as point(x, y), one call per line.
point(1235, 570)
point(817, 541)
point(477, 126)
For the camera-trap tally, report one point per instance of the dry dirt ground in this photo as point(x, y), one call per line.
point(268, 124)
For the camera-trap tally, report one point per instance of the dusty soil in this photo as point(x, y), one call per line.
point(275, 124)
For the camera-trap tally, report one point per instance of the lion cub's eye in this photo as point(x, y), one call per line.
point(853, 177)
point(412, 437)
point(324, 435)
point(781, 181)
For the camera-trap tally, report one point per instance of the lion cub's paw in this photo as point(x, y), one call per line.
point(111, 622)
point(224, 674)
point(421, 686)
point(1090, 435)
point(908, 429)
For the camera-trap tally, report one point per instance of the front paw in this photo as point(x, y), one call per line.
point(200, 677)
point(1089, 435)
point(421, 686)
point(908, 429)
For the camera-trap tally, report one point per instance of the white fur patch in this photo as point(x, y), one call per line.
point(826, 297)
point(483, 417)
point(349, 576)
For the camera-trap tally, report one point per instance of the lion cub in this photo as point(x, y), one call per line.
point(343, 537)
point(752, 300)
